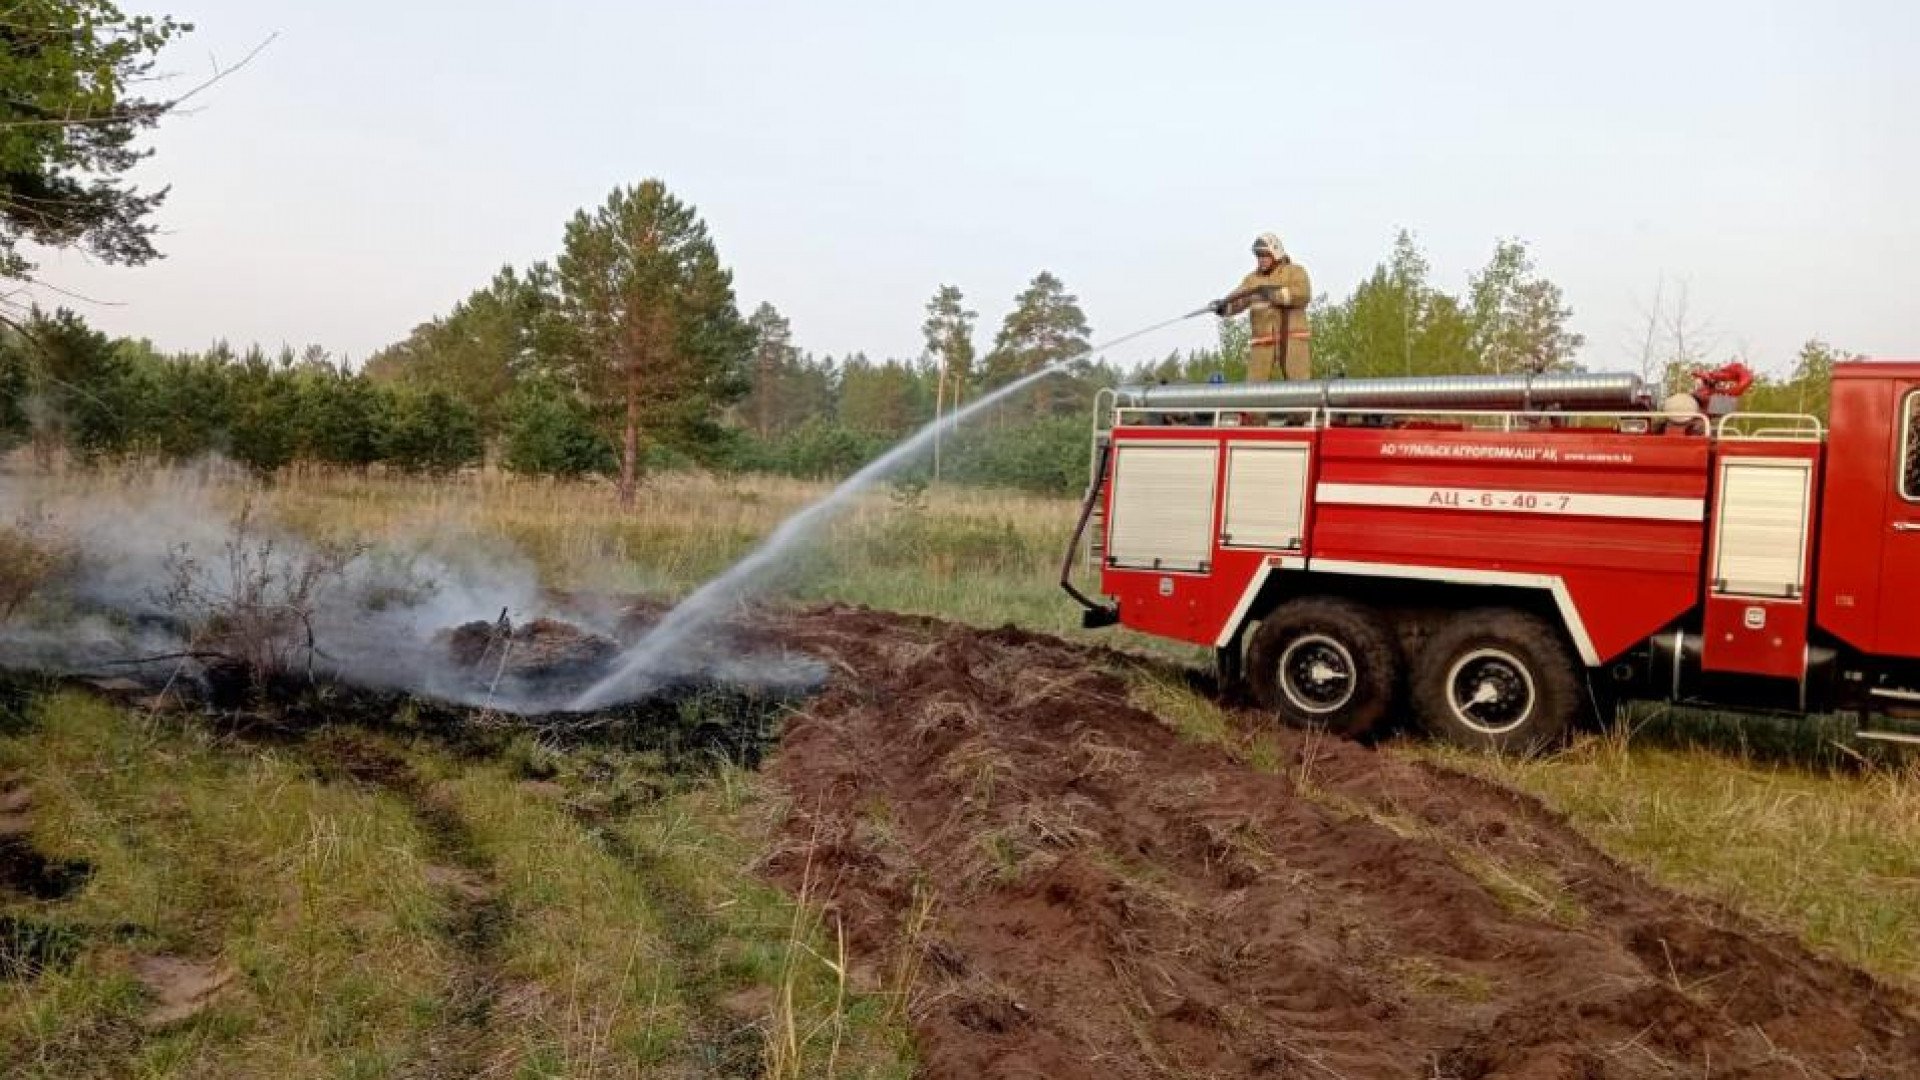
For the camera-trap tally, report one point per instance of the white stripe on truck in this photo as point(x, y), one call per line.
point(1509, 501)
point(1554, 585)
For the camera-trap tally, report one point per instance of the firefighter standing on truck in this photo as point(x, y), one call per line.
point(1276, 293)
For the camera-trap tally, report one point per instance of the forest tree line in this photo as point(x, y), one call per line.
point(629, 351)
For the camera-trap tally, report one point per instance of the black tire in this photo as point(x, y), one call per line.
point(1498, 679)
point(1324, 663)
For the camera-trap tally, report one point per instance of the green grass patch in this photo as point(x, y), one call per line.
point(775, 957)
point(310, 894)
point(638, 938)
point(588, 982)
point(1198, 719)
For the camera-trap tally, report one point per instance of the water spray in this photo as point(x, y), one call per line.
point(646, 660)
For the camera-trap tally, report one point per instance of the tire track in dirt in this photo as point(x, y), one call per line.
point(31, 944)
point(478, 912)
point(721, 1046)
point(1112, 901)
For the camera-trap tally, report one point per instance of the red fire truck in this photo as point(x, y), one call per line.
point(1509, 555)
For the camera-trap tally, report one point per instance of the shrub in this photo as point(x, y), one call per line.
point(549, 433)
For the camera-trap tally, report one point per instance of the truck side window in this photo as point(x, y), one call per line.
point(1910, 449)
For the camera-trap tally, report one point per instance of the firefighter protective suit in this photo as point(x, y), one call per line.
point(1276, 298)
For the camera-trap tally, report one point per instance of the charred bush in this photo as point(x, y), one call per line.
point(30, 556)
point(251, 614)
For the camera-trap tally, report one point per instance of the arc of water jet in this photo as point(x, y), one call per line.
point(711, 601)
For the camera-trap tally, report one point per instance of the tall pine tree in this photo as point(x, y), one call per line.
point(773, 358)
point(949, 334)
point(663, 342)
point(1045, 326)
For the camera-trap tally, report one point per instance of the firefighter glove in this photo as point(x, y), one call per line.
point(1220, 308)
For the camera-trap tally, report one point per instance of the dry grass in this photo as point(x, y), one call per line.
point(1197, 719)
point(976, 556)
point(941, 550)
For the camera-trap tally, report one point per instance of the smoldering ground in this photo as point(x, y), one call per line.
point(180, 573)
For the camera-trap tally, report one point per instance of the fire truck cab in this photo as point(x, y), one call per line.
point(1505, 556)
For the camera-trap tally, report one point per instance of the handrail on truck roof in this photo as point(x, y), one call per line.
point(1786, 427)
point(1801, 427)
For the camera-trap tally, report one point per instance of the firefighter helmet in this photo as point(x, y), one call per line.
point(1269, 244)
point(1681, 404)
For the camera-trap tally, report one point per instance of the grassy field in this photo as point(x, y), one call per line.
point(980, 557)
point(380, 906)
point(364, 899)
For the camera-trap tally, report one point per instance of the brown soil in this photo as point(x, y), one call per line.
point(180, 988)
point(1111, 901)
point(468, 886)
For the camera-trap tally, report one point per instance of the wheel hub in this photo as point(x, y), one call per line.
point(1491, 691)
point(1317, 674)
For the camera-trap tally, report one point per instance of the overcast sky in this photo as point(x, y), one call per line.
point(380, 161)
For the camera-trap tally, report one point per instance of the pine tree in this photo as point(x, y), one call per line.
point(69, 114)
point(83, 387)
point(773, 359)
point(662, 341)
point(1045, 326)
point(508, 332)
point(949, 334)
point(881, 399)
point(14, 387)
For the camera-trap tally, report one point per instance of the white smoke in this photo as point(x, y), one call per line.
point(379, 622)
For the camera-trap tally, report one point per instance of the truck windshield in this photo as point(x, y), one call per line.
point(1910, 449)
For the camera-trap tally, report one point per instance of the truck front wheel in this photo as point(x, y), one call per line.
point(1499, 680)
point(1326, 663)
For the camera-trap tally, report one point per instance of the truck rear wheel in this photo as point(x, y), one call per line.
point(1499, 680)
point(1321, 662)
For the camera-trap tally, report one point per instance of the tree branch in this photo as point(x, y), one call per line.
point(145, 111)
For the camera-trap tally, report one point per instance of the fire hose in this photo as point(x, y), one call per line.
point(1097, 614)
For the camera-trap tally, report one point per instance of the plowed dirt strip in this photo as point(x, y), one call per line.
point(1110, 901)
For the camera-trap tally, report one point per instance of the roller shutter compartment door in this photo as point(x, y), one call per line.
point(1266, 497)
point(1163, 501)
point(1760, 545)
